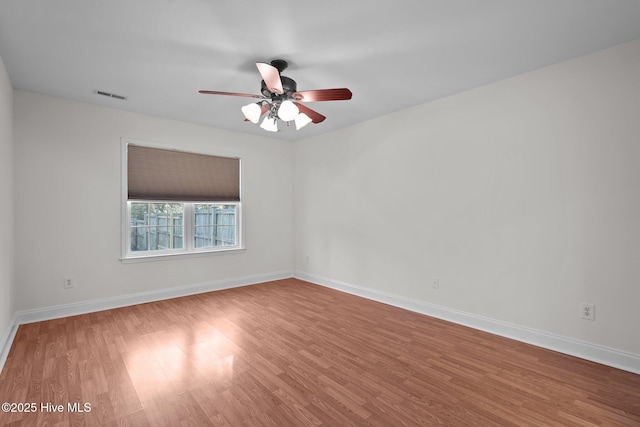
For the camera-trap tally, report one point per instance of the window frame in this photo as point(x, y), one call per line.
point(189, 249)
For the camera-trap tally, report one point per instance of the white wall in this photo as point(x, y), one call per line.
point(522, 196)
point(67, 187)
point(6, 211)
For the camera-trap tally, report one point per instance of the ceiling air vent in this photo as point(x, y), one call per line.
point(110, 95)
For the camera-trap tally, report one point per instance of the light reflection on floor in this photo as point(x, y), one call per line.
point(165, 362)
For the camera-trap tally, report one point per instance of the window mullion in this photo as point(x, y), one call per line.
point(188, 225)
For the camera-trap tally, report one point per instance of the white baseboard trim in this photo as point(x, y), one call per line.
point(74, 309)
point(594, 353)
point(7, 340)
point(599, 354)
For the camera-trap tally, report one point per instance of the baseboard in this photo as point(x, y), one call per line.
point(603, 355)
point(595, 353)
point(7, 340)
point(66, 310)
point(74, 309)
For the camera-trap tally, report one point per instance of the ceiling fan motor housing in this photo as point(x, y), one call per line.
point(288, 85)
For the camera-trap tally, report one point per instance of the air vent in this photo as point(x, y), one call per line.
point(110, 95)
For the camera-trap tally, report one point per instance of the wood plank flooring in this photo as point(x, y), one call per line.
point(289, 353)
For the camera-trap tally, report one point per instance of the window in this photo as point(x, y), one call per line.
point(179, 203)
point(156, 226)
point(214, 225)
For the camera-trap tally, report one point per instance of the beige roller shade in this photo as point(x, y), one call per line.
point(158, 174)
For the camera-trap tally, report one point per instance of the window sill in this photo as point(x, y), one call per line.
point(181, 255)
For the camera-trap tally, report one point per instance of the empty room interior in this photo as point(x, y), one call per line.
point(289, 214)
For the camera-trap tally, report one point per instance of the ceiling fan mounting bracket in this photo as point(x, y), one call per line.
point(280, 64)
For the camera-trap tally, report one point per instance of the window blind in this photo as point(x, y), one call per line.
point(160, 174)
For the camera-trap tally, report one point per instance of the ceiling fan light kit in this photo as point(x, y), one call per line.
point(302, 120)
point(270, 124)
point(280, 99)
point(288, 111)
point(252, 112)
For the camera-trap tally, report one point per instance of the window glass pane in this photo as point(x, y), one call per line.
point(215, 225)
point(156, 226)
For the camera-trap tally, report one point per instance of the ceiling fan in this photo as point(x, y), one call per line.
point(280, 99)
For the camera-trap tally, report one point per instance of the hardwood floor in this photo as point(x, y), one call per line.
point(289, 353)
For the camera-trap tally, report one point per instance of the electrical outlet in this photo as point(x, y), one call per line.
point(68, 283)
point(435, 283)
point(588, 311)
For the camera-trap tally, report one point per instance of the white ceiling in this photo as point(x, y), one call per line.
point(391, 54)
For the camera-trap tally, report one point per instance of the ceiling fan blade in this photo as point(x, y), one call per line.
point(341, 94)
point(271, 77)
point(215, 92)
point(313, 115)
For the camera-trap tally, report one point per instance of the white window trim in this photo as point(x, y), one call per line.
point(189, 251)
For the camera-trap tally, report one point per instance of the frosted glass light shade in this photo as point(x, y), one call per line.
point(252, 112)
point(302, 120)
point(288, 111)
point(269, 124)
